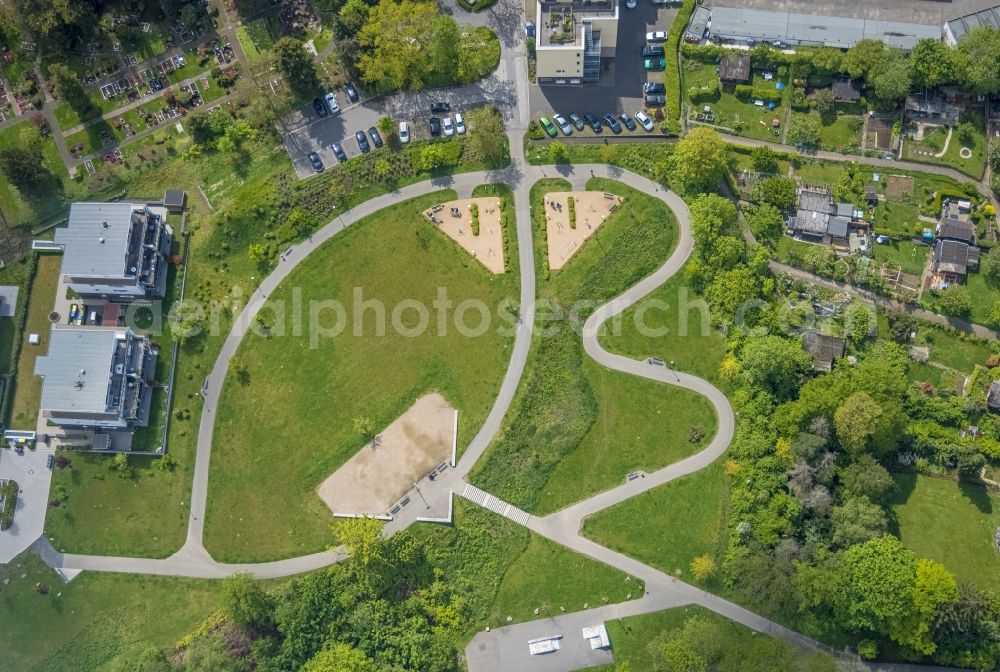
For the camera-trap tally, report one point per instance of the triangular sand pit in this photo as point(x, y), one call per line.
point(454, 218)
point(379, 474)
point(591, 208)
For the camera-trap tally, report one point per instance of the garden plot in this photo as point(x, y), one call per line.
point(387, 467)
point(477, 229)
point(571, 217)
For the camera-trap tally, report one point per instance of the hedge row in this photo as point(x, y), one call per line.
point(20, 320)
point(673, 72)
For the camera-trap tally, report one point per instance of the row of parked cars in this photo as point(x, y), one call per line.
point(328, 103)
point(595, 123)
point(438, 125)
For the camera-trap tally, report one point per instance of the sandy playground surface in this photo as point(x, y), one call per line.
point(487, 247)
point(385, 469)
point(592, 208)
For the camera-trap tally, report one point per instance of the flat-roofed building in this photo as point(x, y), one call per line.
point(97, 379)
point(572, 38)
point(115, 250)
point(741, 24)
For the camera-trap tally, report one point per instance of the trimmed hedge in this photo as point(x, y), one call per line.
point(672, 74)
point(9, 491)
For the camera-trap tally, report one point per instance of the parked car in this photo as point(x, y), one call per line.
point(449, 128)
point(593, 122)
point(435, 125)
point(529, 30)
point(317, 164)
point(404, 132)
point(74, 311)
point(655, 100)
point(352, 93)
point(628, 121)
point(652, 50)
point(548, 127)
point(576, 120)
point(644, 121)
point(654, 64)
point(362, 142)
point(562, 124)
point(612, 123)
point(319, 107)
point(376, 137)
point(331, 102)
point(656, 36)
point(440, 107)
point(339, 152)
point(459, 123)
point(630, 4)
point(654, 87)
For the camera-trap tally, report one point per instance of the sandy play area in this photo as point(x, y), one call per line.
point(592, 208)
point(454, 218)
point(384, 470)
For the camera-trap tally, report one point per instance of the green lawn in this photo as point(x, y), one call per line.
point(934, 141)
point(27, 389)
point(742, 648)
point(898, 220)
point(641, 424)
point(501, 569)
point(670, 525)
point(575, 428)
point(838, 131)
point(19, 208)
point(744, 118)
point(689, 342)
point(983, 294)
point(99, 621)
point(290, 426)
point(910, 258)
point(951, 523)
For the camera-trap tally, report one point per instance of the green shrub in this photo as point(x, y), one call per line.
point(474, 212)
point(571, 211)
point(672, 75)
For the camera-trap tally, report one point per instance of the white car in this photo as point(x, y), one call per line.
point(656, 36)
point(630, 4)
point(331, 102)
point(644, 120)
point(459, 123)
point(447, 126)
point(404, 132)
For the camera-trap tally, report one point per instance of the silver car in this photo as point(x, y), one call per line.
point(644, 121)
point(562, 124)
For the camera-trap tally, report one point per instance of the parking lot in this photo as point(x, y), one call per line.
point(304, 131)
point(620, 86)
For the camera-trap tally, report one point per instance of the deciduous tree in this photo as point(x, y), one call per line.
point(244, 601)
point(296, 65)
point(699, 161)
point(932, 62)
point(486, 140)
point(978, 54)
point(857, 520)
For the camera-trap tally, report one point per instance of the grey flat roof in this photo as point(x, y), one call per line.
point(838, 227)
point(699, 21)
point(85, 254)
point(8, 300)
point(834, 31)
point(74, 355)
